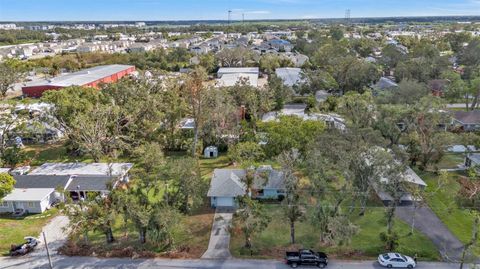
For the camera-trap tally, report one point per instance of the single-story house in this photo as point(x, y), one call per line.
point(410, 177)
point(466, 120)
point(30, 200)
point(76, 179)
point(230, 76)
point(228, 184)
point(118, 170)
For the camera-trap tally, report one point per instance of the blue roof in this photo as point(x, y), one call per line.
point(280, 42)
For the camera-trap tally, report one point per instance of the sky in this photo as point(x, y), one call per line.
point(161, 10)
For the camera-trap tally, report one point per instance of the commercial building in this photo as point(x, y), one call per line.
point(91, 77)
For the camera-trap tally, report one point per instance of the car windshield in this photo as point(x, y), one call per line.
point(386, 257)
point(404, 258)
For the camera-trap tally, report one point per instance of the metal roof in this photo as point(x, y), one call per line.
point(28, 194)
point(229, 80)
point(234, 70)
point(83, 169)
point(82, 77)
point(290, 76)
point(467, 117)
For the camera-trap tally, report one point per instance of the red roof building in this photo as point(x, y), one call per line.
point(90, 77)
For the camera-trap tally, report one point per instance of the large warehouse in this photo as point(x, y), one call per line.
point(90, 77)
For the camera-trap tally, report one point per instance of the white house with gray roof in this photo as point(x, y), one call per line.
point(228, 184)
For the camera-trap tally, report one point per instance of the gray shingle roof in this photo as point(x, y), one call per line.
point(40, 181)
point(227, 183)
point(467, 117)
point(90, 183)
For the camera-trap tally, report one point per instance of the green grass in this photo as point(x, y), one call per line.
point(12, 230)
point(273, 242)
point(451, 160)
point(442, 200)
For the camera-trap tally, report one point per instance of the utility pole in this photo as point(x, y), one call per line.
point(243, 18)
point(48, 252)
point(347, 17)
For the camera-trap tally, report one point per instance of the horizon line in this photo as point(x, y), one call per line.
point(254, 20)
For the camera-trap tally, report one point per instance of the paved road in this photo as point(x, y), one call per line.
point(427, 222)
point(219, 244)
point(84, 263)
point(456, 106)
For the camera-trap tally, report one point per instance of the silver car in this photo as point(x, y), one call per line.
point(396, 260)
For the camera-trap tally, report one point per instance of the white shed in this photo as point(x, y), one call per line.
point(210, 152)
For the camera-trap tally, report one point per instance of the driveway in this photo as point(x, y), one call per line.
point(219, 244)
point(56, 236)
point(427, 222)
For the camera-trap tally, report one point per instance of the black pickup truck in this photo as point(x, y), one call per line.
point(306, 257)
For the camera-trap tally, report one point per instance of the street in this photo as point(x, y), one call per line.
point(90, 262)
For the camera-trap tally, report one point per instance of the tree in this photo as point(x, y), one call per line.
point(6, 184)
point(408, 92)
point(187, 187)
point(270, 62)
point(150, 158)
point(426, 140)
point(359, 108)
point(456, 87)
point(290, 132)
point(255, 102)
point(391, 122)
point(103, 213)
point(195, 93)
point(317, 80)
point(96, 134)
point(336, 33)
point(235, 57)
point(246, 152)
point(281, 93)
point(292, 207)
point(13, 156)
point(251, 218)
point(10, 75)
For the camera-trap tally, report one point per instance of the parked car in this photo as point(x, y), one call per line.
point(306, 257)
point(397, 260)
point(29, 244)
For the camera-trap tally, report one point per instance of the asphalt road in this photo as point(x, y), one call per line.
point(88, 262)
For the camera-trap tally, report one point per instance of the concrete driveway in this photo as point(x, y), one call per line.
point(219, 244)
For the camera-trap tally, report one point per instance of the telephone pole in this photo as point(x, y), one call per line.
point(48, 252)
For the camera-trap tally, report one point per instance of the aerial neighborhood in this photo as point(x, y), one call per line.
point(306, 142)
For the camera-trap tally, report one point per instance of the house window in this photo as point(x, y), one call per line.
point(30, 204)
point(4, 204)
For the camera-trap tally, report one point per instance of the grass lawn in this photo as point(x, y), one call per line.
point(275, 240)
point(451, 160)
point(12, 231)
point(442, 202)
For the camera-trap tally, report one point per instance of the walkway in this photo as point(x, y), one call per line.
point(427, 222)
point(219, 245)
